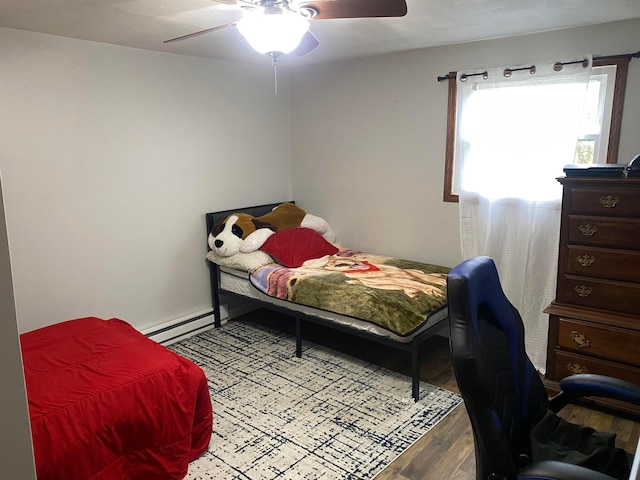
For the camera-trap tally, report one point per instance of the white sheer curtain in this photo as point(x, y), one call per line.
point(515, 133)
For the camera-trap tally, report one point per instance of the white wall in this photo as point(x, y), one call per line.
point(110, 158)
point(368, 136)
point(16, 451)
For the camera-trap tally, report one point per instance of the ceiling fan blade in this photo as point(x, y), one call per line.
point(201, 32)
point(356, 8)
point(307, 43)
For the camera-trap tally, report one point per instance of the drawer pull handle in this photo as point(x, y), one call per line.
point(575, 368)
point(580, 340)
point(588, 230)
point(583, 290)
point(609, 201)
point(586, 260)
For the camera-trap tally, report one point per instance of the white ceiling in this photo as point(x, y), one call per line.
point(428, 23)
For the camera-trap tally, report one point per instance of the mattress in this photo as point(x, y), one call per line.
point(105, 402)
point(237, 281)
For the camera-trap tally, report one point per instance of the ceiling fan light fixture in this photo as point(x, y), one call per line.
point(273, 33)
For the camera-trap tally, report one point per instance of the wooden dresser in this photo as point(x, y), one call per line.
point(594, 322)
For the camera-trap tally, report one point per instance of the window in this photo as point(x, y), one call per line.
point(600, 131)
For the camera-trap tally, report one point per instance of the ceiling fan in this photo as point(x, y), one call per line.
point(276, 27)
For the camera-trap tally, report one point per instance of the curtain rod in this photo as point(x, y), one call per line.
point(533, 67)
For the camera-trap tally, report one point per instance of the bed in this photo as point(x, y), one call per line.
point(106, 402)
point(252, 285)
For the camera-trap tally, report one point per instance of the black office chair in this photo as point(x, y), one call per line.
point(516, 432)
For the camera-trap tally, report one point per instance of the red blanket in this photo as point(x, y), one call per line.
point(108, 403)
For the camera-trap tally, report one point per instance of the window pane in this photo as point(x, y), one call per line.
point(601, 129)
point(584, 151)
point(592, 121)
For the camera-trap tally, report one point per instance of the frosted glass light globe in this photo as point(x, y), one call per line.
point(273, 33)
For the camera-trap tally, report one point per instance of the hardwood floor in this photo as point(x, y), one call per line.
point(446, 451)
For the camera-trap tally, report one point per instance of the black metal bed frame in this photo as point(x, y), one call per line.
point(413, 347)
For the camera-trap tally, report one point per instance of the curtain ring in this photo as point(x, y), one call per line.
point(585, 63)
point(507, 72)
point(485, 75)
point(532, 69)
point(463, 77)
point(557, 66)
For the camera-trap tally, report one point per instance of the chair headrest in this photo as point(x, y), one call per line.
point(478, 276)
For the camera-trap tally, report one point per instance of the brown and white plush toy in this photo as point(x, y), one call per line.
point(244, 233)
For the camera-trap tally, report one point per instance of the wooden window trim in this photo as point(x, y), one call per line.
point(622, 64)
point(452, 107)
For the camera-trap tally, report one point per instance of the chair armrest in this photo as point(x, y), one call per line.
point(551, 470)
point(592, 385)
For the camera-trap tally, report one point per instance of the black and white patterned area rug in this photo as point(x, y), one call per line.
point(323, 416)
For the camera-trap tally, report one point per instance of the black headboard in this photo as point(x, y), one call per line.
point(213, 218)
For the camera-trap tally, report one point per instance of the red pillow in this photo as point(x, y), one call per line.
point(294, 246)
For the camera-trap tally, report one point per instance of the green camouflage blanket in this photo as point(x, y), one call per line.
point(395, 294)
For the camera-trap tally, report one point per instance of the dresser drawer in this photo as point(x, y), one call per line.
point(615, 344)
point(608, 263)
point(569, 363)
point(618, 232)
point(622, 202)
point(602, 294)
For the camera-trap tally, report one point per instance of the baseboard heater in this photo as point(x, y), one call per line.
point(184, 327)
point(180, 328)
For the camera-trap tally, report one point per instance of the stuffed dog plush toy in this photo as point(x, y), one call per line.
point(244, 233)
